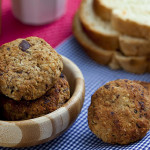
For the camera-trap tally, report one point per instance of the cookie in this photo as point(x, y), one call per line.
point(52, 100)
point(146, 85)
point(28, 68)
point(120, 112)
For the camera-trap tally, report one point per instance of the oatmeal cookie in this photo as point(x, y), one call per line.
point(52, 100)
point(28, 68)
point(120, 112)
point(146, 85)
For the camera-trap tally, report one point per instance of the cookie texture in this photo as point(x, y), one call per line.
point(52, 100)
point(28, 68)
point(146, 85)
point(120, 112)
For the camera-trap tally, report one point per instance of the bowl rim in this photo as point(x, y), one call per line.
point(74, 68)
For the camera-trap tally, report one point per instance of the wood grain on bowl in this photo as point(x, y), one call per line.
point(43, 129)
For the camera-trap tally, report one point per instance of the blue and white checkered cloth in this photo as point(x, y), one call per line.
point(79, 136)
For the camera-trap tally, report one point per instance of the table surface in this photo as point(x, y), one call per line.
point(79, 136)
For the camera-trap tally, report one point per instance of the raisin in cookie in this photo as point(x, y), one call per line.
point(28, 68)
point(120, 112)
point(52, 100)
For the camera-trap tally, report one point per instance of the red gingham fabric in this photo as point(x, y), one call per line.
point(54, 33)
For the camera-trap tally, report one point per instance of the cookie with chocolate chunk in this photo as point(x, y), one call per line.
point(52, 100)
point(28, 68)
point(120, 112)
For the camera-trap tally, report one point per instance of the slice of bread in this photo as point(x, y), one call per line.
point(132, 22)
point(133, 64)
point(137, 65)
point(101, 32)
point(134, 46)
point(129, 46)
point(104, 8)
point(113, 59)
point(95, 52)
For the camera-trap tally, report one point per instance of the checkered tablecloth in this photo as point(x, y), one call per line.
point(79, 136)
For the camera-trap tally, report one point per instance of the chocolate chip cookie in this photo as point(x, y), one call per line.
point(28, 68)
point(120, 112)
point(52, 100)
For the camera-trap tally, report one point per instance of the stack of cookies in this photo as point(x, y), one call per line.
point(115, 33)
point(31, 79)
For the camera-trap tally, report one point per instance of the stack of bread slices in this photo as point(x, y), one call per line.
point(115, 33)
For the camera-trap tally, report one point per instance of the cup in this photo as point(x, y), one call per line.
point(38, 12)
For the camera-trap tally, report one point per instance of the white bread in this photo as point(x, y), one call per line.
point(132, 22)
point(102, 33)
point(98, 30)
point(134, 46)
point(113, 59)
point(104, 8)
point(137, 65)
point(95, 52)
point(129, 46)
point(133, 64)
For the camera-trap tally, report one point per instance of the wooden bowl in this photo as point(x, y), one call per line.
point(43, 129)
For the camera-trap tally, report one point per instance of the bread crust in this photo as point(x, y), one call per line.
point(133, 64)
point(95, 52)
point(101, 10)
point(120, 112)
point(134, 46)
point(105, 40)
